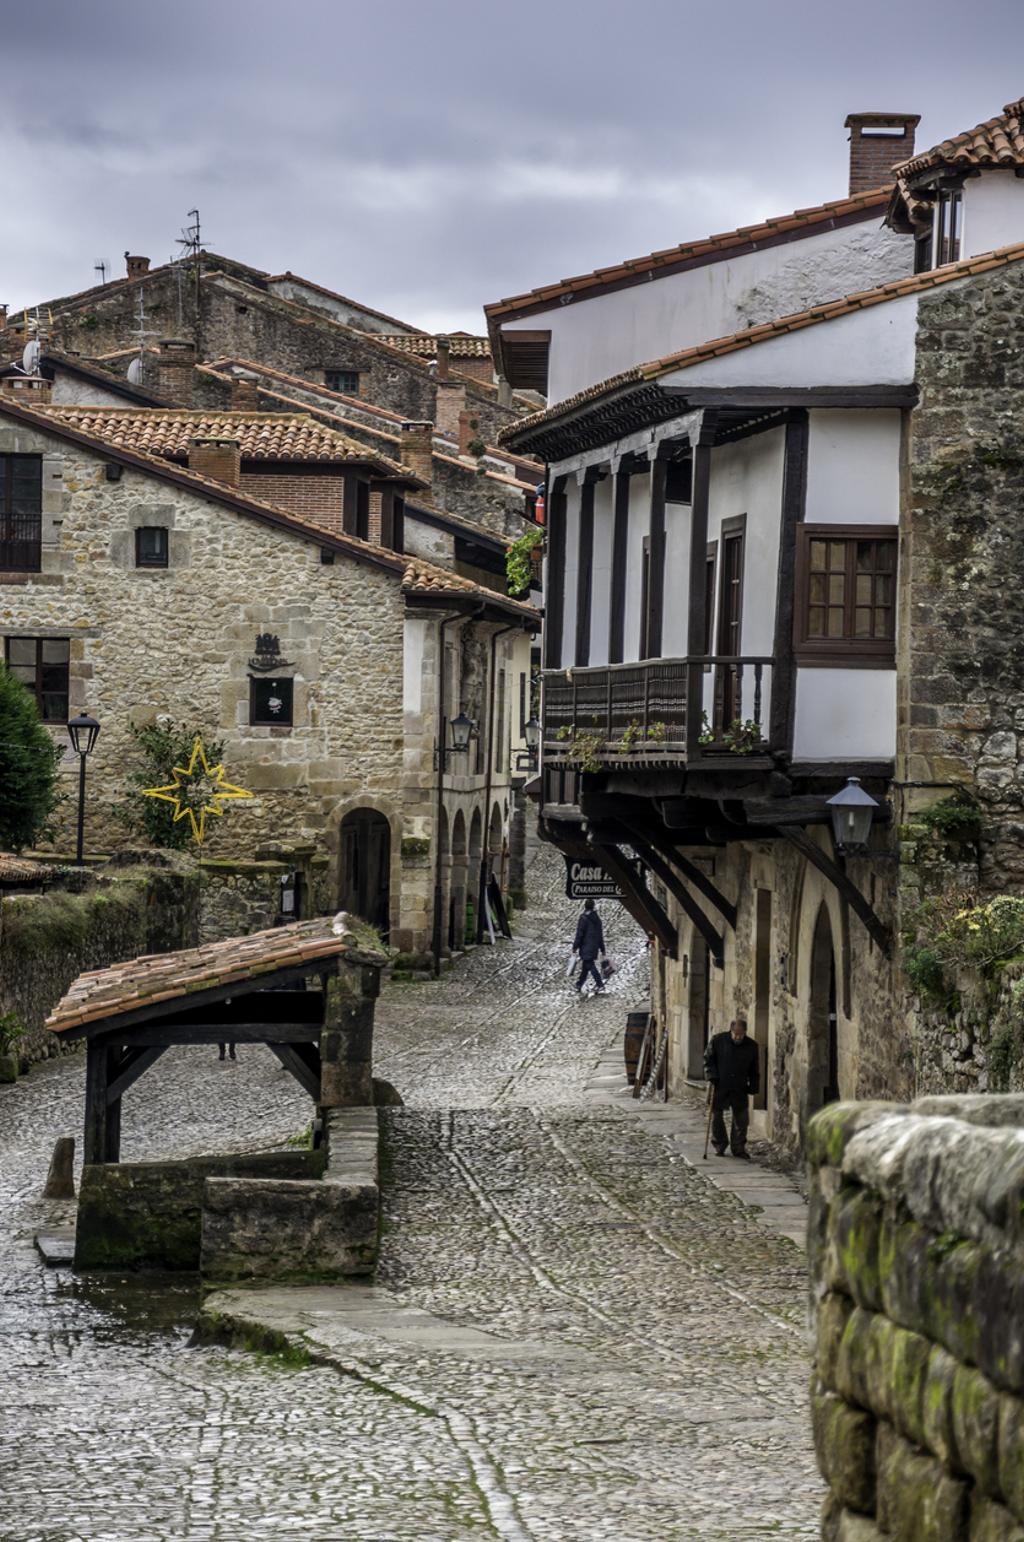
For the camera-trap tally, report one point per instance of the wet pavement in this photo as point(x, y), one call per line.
point(574, 1333)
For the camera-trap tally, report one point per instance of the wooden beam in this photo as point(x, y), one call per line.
point(701, 882)
point(554, 578)
point(636, 896)
point(299, 1068)
point(132, 1065)
point(653, 622)
point(696, 624)
point(213, 1033)
point(677, 888)
point(794, 500)
point(844, 886)
point(620, 556)
point(797, 396)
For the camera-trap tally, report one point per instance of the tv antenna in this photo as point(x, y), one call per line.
point(135, 368)
point(101, 266)
point(190, 243)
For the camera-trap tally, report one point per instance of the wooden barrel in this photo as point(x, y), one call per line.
point(636, 1027)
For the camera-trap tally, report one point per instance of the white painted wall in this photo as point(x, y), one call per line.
point(639, 525)
point(993, 212)
point(677, 579)
point(572, 543)
point(592, 339)
point(600, 598)
point(845, 714)
point(867, 347)
point(853, 467)
point(414, 635)
point(71, 391)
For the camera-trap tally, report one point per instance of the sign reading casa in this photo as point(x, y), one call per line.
point(588, 880)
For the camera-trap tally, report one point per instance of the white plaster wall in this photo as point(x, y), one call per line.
point(845, 714)
point(600, 598)
point(993, 212)
point(572, 563)
point(69, 391)
point(677, 579)
point(414, 635)
point(853, 467)
point(639, 525)
point(867, 347)
point(593, 339)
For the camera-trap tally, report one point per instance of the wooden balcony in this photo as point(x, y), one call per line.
point(712, 708)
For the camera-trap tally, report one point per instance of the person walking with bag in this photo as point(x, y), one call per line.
point(731, 1066)
point(588, 944)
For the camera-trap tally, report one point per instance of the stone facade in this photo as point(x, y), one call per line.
point(915, 1252)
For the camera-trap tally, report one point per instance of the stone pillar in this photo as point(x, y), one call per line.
point(346, 1044)
point(137, 267)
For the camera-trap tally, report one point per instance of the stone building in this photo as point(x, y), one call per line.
point(781, 553)
point(331, 667)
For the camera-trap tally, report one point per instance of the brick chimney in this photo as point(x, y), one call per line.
point(444, 357)
point(29, 390)
point(244, 396)
point(416, 450)
point(878, 142)
point(175, 364)
point(469, 430)
point(137, 267)
point(450, 402)
point(218, 459)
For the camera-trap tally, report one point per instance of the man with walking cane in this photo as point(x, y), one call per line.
point(731, 1067)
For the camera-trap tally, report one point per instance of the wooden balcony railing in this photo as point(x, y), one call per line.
point(710, 705)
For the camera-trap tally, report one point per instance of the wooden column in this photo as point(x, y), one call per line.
point(794, 501)
point(102, 1140)
point(696, 619)
point(585, 570)
point(652, 622)
point(620, 557)
point(554, 578)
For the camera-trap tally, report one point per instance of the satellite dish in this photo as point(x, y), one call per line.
point(30, 357)
point(135, 372)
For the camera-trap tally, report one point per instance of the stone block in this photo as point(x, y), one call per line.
point(833, 1314)
point(907, 1369)
point(917, 1500)
point(287, 1231)
point(991, 1522)
point(937, 1406)
point(860, 1361)
point(844, 1442)
point(1011, 1453)
point(854, 1225)
point(975, 1409)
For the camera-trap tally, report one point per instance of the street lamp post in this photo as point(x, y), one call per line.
point(83, 731)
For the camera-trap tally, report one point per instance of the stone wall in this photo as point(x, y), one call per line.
point(47, 940)
point(916, 1253)
point(241, 897)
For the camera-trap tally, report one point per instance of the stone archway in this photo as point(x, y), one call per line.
point(822, 1019)
point(496, 852)
point(365, 867)
point(459, 871)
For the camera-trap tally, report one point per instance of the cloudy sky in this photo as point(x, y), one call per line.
point(427, 156)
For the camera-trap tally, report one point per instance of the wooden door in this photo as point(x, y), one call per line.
point(366, 867)
point(728, 694)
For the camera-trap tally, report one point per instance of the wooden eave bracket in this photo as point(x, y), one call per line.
point(638, 899)
point(876, 928)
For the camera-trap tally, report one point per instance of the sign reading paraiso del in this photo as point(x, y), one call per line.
point(588, 880)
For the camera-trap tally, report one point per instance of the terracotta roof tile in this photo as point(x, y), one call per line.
point(424, 345)
point(765, 331)
point(998, 141)
point(272, 436)
point(807, 219)
point(17, 870)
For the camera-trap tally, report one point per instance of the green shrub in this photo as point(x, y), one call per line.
point(518, 566)
point(158, 749)
point(956, 818)
point(29, 789)
point(12, 1032)
point(925, 973)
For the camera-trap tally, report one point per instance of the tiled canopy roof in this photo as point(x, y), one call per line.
point(159, 980)
point(462, 344)
point(734, 342)
point(272, 436)
point(804, 221)
point(996, 142)
point(16, 870)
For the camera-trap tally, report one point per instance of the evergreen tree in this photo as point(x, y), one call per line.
point(29, 791)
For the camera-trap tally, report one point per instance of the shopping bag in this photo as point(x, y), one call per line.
point(607, 968)
point(571, 965)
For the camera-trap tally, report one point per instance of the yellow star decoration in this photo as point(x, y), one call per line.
point(187, 793)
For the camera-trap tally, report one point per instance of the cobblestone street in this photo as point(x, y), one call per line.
point(574, 1333)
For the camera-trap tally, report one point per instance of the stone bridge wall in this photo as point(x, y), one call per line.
point(916, 1251)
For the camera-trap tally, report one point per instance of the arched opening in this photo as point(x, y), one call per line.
point(457, 901)
point(823, 1037)
point(366, 867)
point(496, 853)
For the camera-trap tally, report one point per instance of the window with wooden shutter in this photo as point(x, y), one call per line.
point(42, 665)
point(846, 595)
point(21, 513)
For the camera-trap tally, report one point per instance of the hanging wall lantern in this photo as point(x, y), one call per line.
point(853, 811)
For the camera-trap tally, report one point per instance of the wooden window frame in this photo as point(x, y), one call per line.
point(334, 370)
point(162, 560)
point(710, 595)
point(7, 515)
point(36, 687)
point(847, 652)
point(730, 530)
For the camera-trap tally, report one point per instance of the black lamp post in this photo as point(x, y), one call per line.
point(83, 731)
point(853, 811)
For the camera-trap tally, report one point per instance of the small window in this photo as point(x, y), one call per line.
point(41, 664)
point(270, 702)
point(151, 546)
point(947, 228)
point(846, 594)
point(344, 381)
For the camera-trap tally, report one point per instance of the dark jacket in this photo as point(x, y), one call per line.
point(733, 1066)
point(589, 940)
